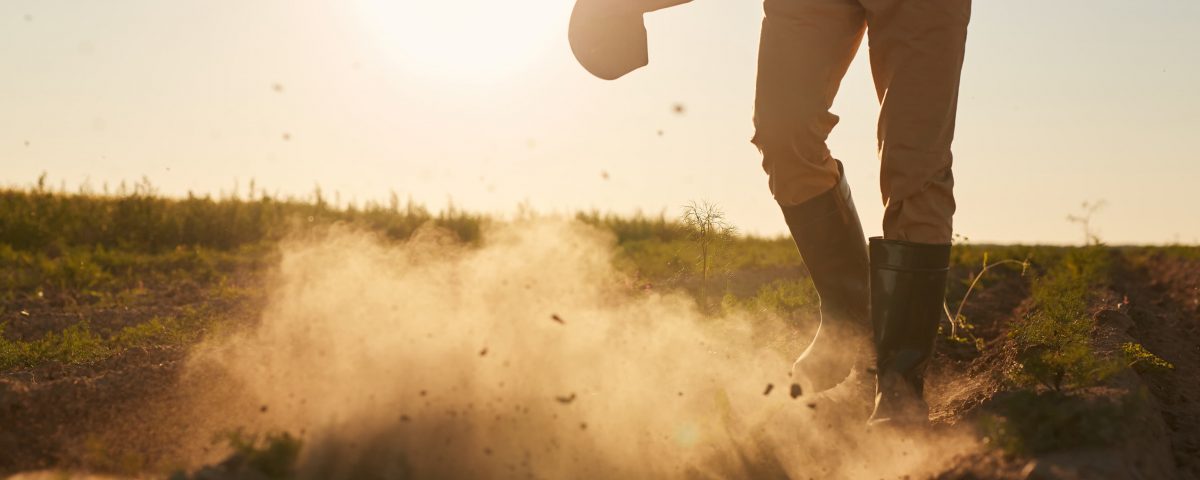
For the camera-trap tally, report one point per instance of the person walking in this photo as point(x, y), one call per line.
point(895, 284)
point(883, 295)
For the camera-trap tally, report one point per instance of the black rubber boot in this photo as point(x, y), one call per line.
point(908, 288)
point(831, 242)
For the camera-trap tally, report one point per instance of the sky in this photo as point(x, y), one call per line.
point(480, 104)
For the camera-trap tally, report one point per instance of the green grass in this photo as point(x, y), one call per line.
point(74, 345)
point(97, 274)
point(137, 219)
point(78, 344)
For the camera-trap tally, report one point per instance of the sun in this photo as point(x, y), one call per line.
point(465, 38)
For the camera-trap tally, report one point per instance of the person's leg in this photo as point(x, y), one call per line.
point(805, 49)
point(917, 51)
point(807, 45)
point(916, 57)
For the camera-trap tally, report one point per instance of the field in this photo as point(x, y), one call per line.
point(260, 337)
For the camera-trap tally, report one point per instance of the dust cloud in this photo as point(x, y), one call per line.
point(530, 356)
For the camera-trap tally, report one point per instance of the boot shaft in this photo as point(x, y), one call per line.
point(830, 239)
point(908, 283)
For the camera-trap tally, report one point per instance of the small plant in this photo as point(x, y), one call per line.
point(958, 321)
point(707, 227)
point(1054, 340)
point(1084, 219)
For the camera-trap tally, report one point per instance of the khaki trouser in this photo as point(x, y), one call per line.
point(916, 51)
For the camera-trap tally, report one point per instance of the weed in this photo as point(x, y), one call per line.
point(156, 331)
point(73, 345)
point(1054, 341)
point(1084, 219)
point(1143, 361)
point(77, 344)
point(707, 227)
point(958, 321)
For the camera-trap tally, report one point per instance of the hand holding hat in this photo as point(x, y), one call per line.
point(608, 37)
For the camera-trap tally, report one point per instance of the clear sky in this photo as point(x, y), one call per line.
point(480, 102)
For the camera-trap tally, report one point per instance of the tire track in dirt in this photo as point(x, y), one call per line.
point(1163, 294)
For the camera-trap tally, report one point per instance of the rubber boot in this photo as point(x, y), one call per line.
point(830, 239)
point(908, 288)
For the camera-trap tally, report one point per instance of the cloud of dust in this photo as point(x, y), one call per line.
point(530, 356)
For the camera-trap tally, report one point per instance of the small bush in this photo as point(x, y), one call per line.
point(707, 226)
point(1054, 341)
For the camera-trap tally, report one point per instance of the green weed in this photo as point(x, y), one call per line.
point(1054, 346)
point(73, 345)
point(707, 226)
point(78, 344)
point(1143, 361)
point(960, 328)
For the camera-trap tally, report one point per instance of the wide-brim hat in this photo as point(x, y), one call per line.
point(608, 37)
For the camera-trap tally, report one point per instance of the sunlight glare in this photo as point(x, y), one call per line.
point(465, 39)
